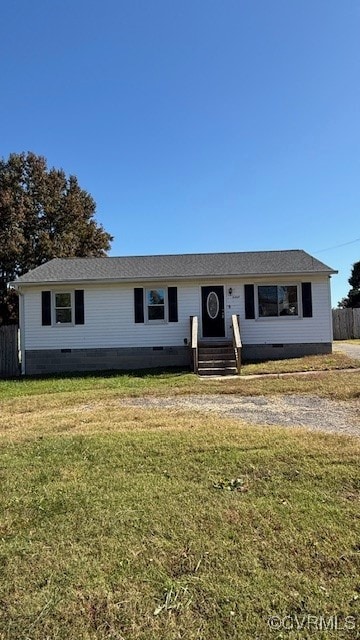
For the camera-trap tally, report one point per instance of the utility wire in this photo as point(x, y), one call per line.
point(336, 246)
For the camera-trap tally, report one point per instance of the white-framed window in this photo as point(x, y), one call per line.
point(278, 301)
point(63, 307)
point(155, 305)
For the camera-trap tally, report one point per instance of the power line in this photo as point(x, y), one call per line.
point(336, 246)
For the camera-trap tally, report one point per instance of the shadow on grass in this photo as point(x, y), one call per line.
point(159, 372)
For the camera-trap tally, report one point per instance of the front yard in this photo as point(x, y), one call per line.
point(328, 382)
point(126, 523)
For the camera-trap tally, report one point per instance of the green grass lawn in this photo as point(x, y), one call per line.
point(124, 535)
point(126, 524)
point(326, 362)
point(329, 382)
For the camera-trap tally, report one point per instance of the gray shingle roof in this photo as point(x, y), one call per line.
point(198, 265)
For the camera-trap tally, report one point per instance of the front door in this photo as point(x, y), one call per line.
point(213, 320)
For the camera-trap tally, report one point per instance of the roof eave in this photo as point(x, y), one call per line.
point(73, 281)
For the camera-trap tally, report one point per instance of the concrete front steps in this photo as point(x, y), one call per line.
point(216, 359)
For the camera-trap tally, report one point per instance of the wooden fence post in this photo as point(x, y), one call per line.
point(9, 351)
point(346, 324)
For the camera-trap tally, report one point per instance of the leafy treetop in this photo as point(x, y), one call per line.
point(352, 300)
point(43, 215)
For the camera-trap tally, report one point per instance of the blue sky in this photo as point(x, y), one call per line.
point(198, 125)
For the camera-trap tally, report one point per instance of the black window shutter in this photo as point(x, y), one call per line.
point(46, 308)
point(139, 304)
point(79, 306)
point(306, 299)
point(249, 302)
point(173, 304)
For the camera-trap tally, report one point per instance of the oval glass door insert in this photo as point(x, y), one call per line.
point(212, 305)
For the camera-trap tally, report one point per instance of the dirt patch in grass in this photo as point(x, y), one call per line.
point(287, 410)
point(66, 412)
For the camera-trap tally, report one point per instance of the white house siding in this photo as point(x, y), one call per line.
point(109, 320)
point(317, 329)
point(109, 317)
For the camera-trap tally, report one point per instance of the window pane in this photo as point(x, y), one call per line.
point(156, 296)
point(268, 305)
point(62, 300)
point(156, 313)
point(288, 305)
point(62, 316)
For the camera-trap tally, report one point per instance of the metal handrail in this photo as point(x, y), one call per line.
point(237, 344)
point(194, 330)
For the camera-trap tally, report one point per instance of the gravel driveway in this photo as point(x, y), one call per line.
point(312, 412)
point(351, 350)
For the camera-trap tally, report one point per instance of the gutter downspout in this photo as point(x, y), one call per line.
point(331, 313)
point(22, 331)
